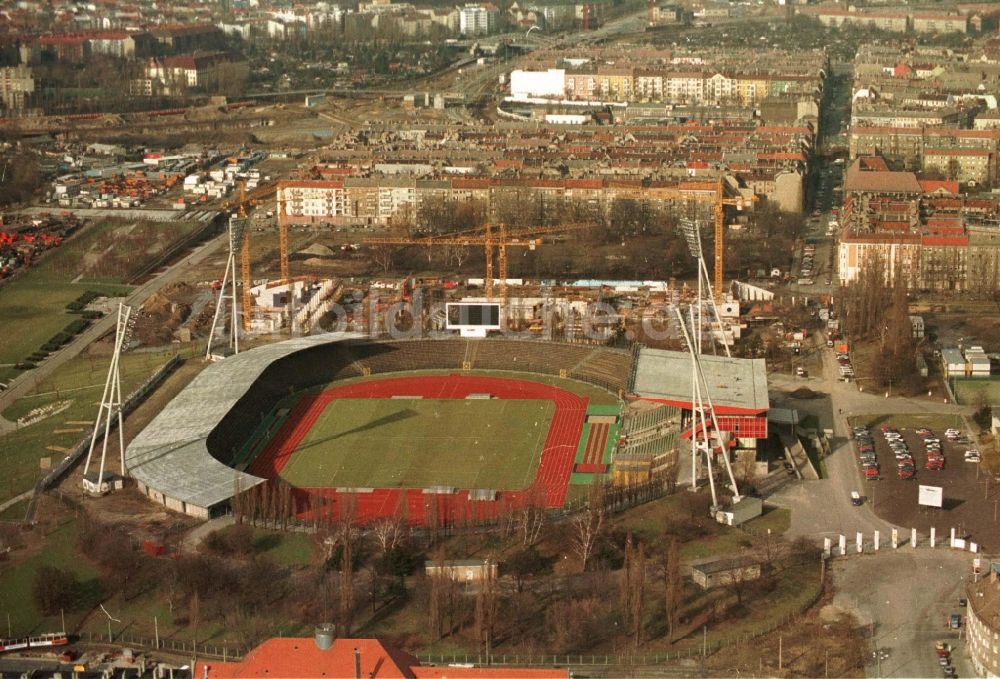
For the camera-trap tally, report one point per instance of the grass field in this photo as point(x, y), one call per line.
point(936, 423)
point(975, 391)
point(101, 258)
point(80, 382)
point(417, 443)
point(16, 580)
point(33, 311)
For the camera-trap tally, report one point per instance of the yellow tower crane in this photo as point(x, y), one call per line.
point(245, 262)
point(720, 202)
point(282, 239)
point(489, 240)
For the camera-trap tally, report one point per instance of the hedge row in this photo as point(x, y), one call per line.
point(83, 300)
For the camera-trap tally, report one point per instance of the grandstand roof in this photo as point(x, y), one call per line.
point(735, 385)
point(171, 454)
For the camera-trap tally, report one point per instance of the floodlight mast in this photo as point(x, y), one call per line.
point(699, 401)
point(111, 399)
point(692, 234)
point(236, 228)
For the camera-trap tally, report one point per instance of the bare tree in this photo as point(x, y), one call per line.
point(633, 588)
point(435, 604)
point(532, 515)
point(672, 582)
point(486, 611)
point(382, 255)
point(388, 532)
point(586, 528)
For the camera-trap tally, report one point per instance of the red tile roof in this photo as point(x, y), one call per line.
point(932, 185)
point(301, 658)
point(954, 241)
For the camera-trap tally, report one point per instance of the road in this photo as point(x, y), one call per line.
point(905, 598)
point(904, 594)
point(27, 381)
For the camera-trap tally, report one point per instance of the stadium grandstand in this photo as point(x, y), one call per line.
point(619, 414)
point(193, 456)
point(736, 386)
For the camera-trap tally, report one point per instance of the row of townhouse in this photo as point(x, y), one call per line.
point(891, 21)
point(964, 155)
point(624, 84)
point(74, 47)
point(379, 201)
point(922, 232)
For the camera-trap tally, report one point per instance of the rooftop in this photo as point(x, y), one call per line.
point(859, 178)
point(171, 453)
point(734, 384)
point(303, 659)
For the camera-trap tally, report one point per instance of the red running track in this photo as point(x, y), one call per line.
point(551, 480)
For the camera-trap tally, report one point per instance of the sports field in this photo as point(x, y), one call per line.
point(422, 442)
point(977, 390)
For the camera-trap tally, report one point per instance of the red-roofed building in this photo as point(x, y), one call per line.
point(939, 187)
point(304, 658)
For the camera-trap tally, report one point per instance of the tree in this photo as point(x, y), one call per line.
point(486, 611)
point(673, 585)
point(532, 515)
point(437, 592)
point(586, 528)
point(523, 564)
point(54, 589)
point(389, 531)
point(633, 588)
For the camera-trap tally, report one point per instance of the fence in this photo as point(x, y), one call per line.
point(625, 660)
point(179, 646)
point(225, 653)
point(68, 462)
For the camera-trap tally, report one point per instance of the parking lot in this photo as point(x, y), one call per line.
point(903, 457)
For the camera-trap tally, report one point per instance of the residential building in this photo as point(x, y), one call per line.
point(897, 22)
point(982, 619)
point(939, 23)
point(177, 74)
point(16, 87)
point(185, 39)
point(478, 19)
point(919, 232)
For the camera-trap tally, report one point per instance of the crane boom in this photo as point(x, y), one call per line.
point(488, 240)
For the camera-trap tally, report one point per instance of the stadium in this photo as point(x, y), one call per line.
point(444, 430)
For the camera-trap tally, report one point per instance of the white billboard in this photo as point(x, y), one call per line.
point(550, 83)
point(931, 496)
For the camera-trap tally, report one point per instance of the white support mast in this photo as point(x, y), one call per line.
point(701, 401)
point(111, 402)
point(236, 227)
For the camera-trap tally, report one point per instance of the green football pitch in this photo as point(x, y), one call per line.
point(418, 443)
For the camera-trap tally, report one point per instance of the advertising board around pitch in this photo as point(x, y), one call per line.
point(931, 496)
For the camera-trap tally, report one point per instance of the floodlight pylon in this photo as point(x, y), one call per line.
point(111, 399)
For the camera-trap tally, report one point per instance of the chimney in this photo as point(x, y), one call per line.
point(324, 635)
point(357, 663)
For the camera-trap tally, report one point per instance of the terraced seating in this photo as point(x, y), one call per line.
point(642, 421)
point(386, 357)
point(608, 367)
point(528, 355)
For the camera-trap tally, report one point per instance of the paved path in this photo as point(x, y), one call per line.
point(194, 538)
point(26, 495)
point(27, 381)
point(822, 508)
point(906, 597)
